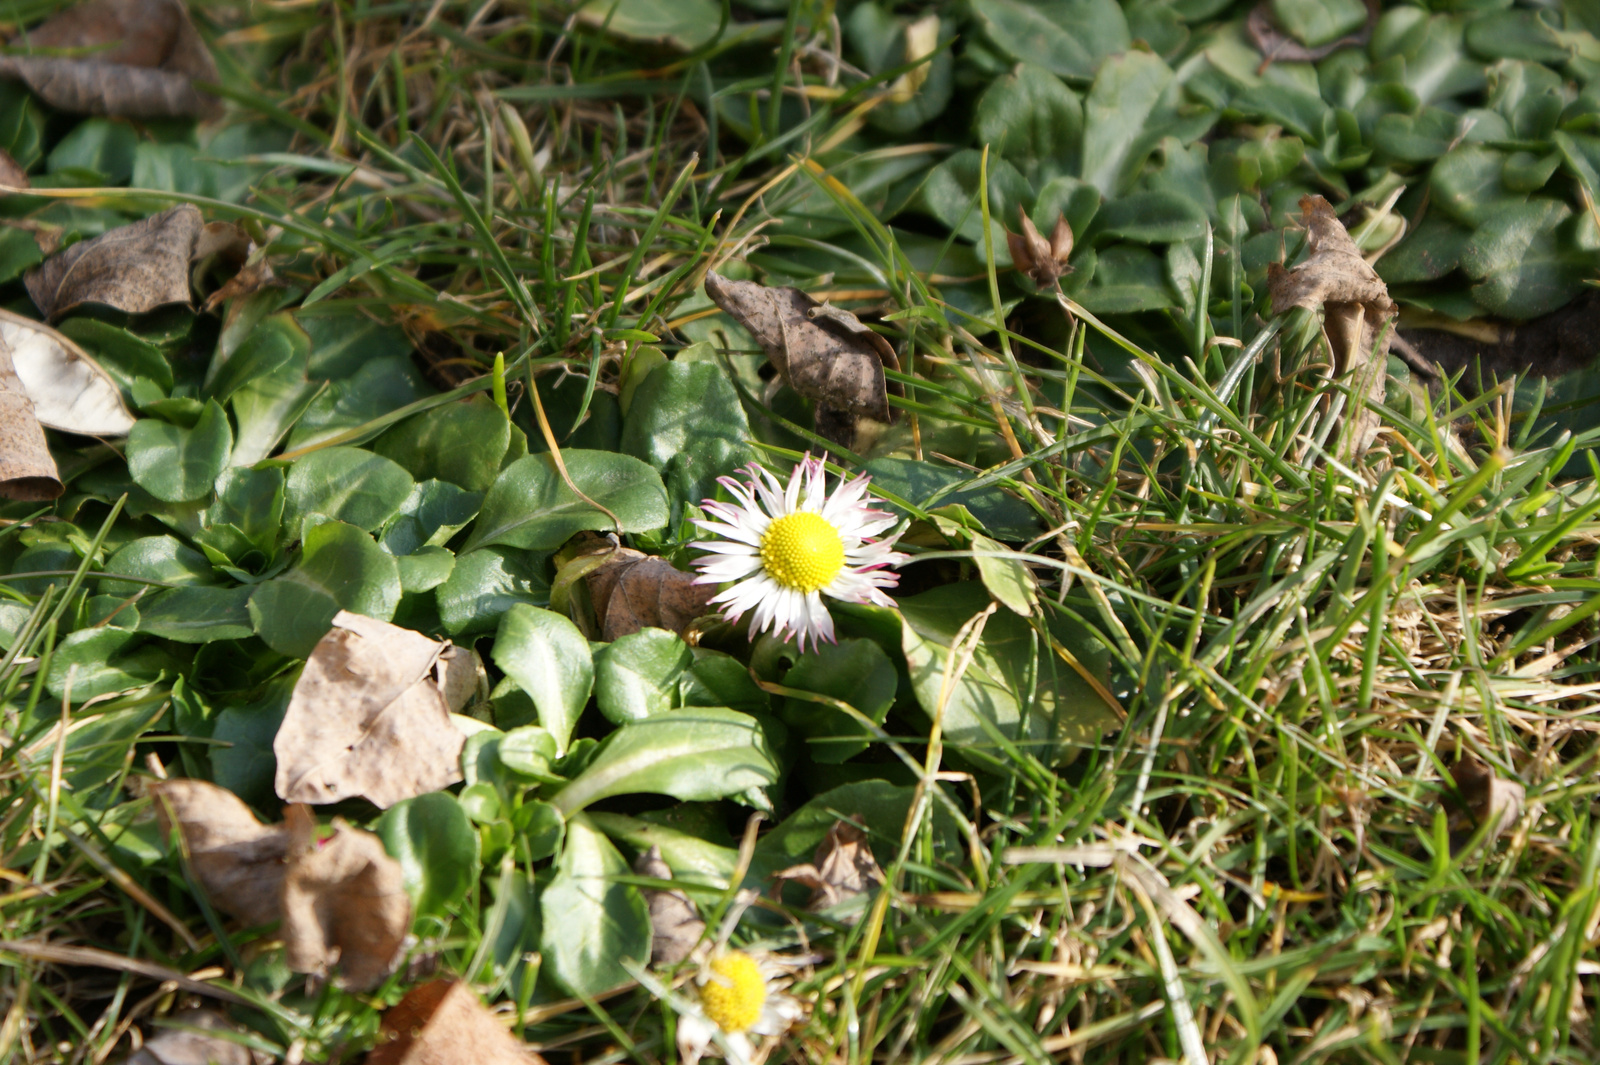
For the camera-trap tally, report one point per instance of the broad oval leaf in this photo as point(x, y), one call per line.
point(174, 464)
point(484, 584)
point(590, 921)
point(530, 506)
point(1066, 37)
point(198, 614)
point(340, 569)
point(346, 484)
point(692, 754)
point(433, 840)
point(462, 443)
point(549, 659)
point(637, 675)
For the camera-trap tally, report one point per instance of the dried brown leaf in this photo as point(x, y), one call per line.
point(824, 353)
point(1355, 303)
point(187, 1043)
point(134, 268)
point(675, 924)
point(26, 469)
point(1491, 799)
point(146, 58)
point(443, 1023)
point(344, 903)
point(635, 591)
point(369, 717)
point(238, 861)
point(69, 389)
point(12, 176)
point(1044, 261)
point(842, 869)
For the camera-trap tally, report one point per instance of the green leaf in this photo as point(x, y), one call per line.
point(156, 558)
point(433, 840)
point(344, 340)
point(529, 506)
point(528, 750)
point(691, 754)
point(854, 671)
point(590, 922)
point(461, 442)
point(340, 569)
point(424, 569)
point(1127, 279)
point(1526, 268)
point(21, 124)
point(1066, 37)
point(274, 345)
point(683, 24)
point(346, 484)
point(125, 355)
point(688, 856)
point(549, 659)
point(266, 408)
point(685, 420)
point(484, 584)
point(1010, 581)
point(101, 147)
point(951, 195)
point(927, 485)
point(637, 675)
point(883, 807)
point(102, 661)
point(176, 465)
point(1427, 253)
point(719, 679)
point(1127, 92)
point(1031, 118)
point(1318, 22)
point(198, 614)
point(252, 502)
point(379, 387)
point(430, 515)
point(1152, 218)
point(1516, 35)
point(1466, 184)
point(990, 701)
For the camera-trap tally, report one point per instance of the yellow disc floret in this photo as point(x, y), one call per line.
point(734, 993)
point(802, 551)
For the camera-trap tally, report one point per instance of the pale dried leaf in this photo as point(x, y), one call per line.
point(1491, 799)
point(133, 268)
point(12, 176)
point(675, 924)
point(843, 868)
point(344, 903)
point(443, 1023)
point(634, 591)
point(70, 391)
point(824, 353)
point(369, 718)
point(26, 469)
point(147, 58)
point(182, 1044)
point(1336, 280)
point(238, 861)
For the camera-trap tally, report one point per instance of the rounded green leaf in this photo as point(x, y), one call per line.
point(1066, 37)
point(461, 442)
point(346, 484)
point(637, 675)
point(340, 569)
point(853, 671)
point(198, 614)
point(156, 558)
point(1031, 118)
point(685, 419)
point(530, 506)
point(176, 465)
point(591, 922)
point(486, 583)
point(549, 659)
point(432, 838)
point(692, 754)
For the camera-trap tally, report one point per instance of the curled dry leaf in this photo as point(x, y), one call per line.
point(1491, 800)
point(675, 924)
point(443, 1023)
point(1336, 280)
point(134, 268)
point(146, 58)
point(824, 353)
point(238, 861)
point(370, 716)
point(189, 1042)
point(1044, 261)
point(843, 869)
point(26, 469)
point(70, 391)
point(633, 591)
point(344, 903)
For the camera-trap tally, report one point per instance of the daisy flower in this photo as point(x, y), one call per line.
point(737, 995)
point(785, 547)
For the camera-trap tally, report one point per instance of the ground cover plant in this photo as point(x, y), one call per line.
point(371, 365)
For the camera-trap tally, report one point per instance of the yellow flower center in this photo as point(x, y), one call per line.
point(735, 993)
point(802, 551)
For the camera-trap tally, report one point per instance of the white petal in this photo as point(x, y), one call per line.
point(740, 1049)
point(723, 570)
point(694, 1035)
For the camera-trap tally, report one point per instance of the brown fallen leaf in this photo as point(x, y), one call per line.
point(1044, 261)
point(344, 903)
point(370, 717)
point(239, 862)
point(134, 268)
point(69, 389)
point(26, 469)
point(12, 176)
point(1490, 799)
point(634, 591)
point(443, 1023)
point(675, 924)
point(188, 1042)
point(146, 58)
point(843, 869)
point(1337, 281)
point(824, 353)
